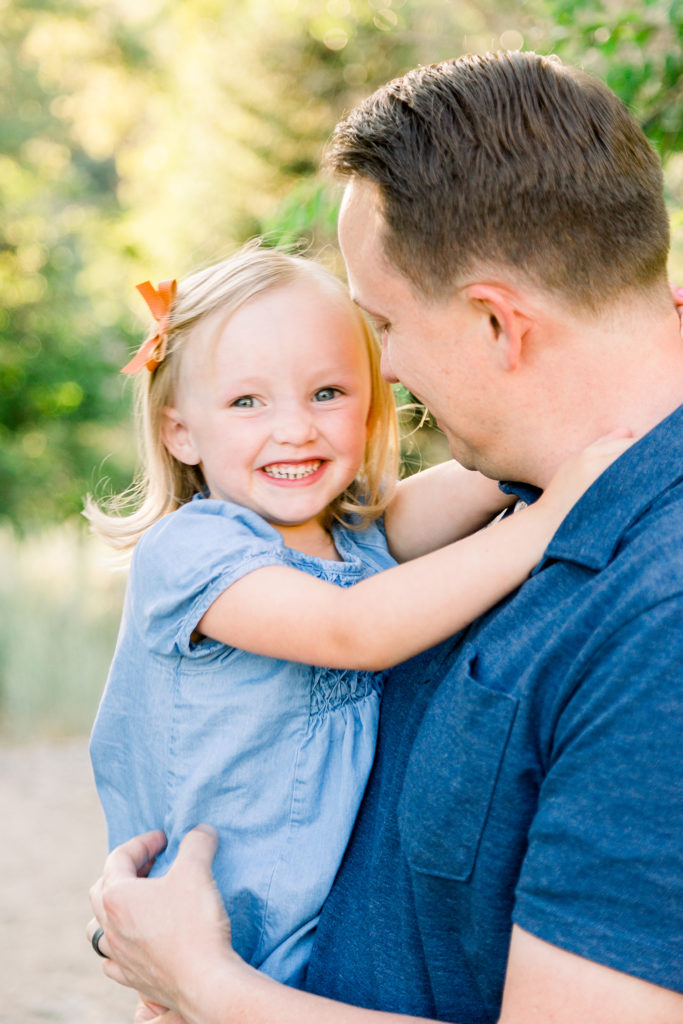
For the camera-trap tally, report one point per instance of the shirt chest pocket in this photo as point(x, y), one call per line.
point(452, 773)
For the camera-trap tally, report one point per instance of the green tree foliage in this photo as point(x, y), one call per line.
point(139, 138)
point(637, 48)
point(60, 323)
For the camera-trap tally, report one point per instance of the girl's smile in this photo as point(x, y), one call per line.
point(292, 472)
point(273, 406)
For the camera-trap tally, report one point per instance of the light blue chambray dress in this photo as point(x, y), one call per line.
point(274, 754)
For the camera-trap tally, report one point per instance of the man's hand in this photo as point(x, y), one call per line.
point(160, 932)
point(169, 938)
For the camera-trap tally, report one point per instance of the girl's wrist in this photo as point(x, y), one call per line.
point(542, 520)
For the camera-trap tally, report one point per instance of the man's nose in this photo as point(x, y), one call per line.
point(385, 366)
point(294, 424)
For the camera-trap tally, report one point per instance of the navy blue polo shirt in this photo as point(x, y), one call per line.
point(529, 770)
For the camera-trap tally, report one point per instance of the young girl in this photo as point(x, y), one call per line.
point(265, 522)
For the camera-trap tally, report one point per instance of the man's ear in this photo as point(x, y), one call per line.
point(177, 438)
point(508, 324)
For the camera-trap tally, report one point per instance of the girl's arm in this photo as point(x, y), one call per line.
point(284, 613)
point(438, 506)
point(447, 502)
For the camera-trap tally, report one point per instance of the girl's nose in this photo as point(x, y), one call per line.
point(294, 425)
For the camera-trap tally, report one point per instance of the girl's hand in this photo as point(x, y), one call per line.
point(579, 471)
point(678, 299)
point(161, 934)
point(152, 1013)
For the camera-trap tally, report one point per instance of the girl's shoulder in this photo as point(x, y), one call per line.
point(209, 537)
point(204, 530)
point(182, 564)
point(203, 514)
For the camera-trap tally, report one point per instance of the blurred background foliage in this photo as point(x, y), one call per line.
point(141, 138)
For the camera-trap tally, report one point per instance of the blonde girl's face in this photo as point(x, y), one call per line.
point(273, 404)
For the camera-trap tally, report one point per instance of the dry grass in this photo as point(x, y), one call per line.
point(59, 612)
point(60, 604)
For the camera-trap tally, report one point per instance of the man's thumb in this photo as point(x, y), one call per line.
point(199, 847)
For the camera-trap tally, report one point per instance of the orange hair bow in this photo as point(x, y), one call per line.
point(160, 301)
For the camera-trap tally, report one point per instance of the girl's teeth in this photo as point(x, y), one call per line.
point(283, 471)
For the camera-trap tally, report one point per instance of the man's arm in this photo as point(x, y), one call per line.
point(547, 985)
point(169, 938)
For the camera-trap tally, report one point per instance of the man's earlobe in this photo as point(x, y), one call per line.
point(176, 437)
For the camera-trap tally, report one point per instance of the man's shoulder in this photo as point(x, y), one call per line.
point(651, 549)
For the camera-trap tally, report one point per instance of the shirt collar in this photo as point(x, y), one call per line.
point(592, 531)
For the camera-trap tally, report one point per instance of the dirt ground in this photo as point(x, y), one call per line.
point(52, 845)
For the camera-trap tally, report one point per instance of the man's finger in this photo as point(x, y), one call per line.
point(100, 945)
point(114, 972)
point(96, 899)
point(134, 858)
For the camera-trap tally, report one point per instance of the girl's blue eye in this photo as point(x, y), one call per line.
point(244, 402)
point(327, 394)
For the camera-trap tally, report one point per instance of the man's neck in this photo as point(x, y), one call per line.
point(622, 370)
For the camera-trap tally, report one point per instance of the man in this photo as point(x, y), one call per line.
point(517, 855)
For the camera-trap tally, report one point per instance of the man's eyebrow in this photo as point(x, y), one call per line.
point(373, 316)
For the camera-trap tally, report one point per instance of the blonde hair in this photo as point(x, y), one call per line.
point(164, 483)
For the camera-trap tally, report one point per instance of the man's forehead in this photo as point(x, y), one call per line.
point(370, 275)
point(361, 223)
point(364, 193)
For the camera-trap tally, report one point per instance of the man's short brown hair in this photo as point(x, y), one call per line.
point(510, 159)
